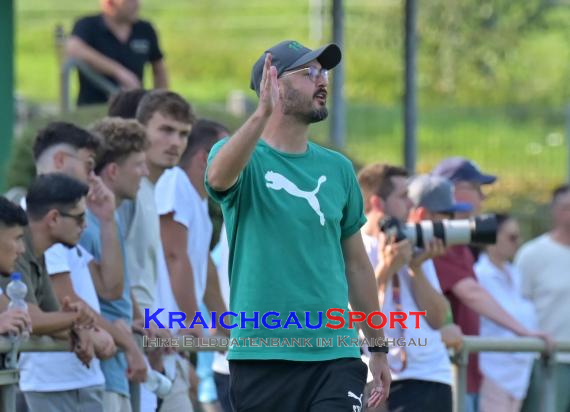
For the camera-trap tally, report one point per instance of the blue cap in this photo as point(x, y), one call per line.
point(435, 193)
point(458, 169)
point(16, 276)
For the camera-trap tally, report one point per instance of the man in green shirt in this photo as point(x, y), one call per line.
point(293, 211)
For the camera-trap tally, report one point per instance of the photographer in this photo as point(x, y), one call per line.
point(407, 282)
point(457, 278)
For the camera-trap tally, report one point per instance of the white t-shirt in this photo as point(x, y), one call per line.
point(510, 370)
point(222, 250)
point(431, 362)
point(142, 243)
point(175, 193)
point(544, 264)
point(62, 371)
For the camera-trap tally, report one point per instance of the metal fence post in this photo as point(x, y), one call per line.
point(460, 361)
point(9, 378)
point(548, 365)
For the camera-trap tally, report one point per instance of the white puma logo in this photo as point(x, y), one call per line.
point(355, 408)
point(276, 181)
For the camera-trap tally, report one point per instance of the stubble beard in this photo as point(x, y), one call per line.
point(295, 105)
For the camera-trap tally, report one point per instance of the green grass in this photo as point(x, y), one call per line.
point(211, 44)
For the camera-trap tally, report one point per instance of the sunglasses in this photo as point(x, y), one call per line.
point(79, 218)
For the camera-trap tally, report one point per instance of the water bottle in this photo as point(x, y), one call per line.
point(17, 291)
point(157, 383)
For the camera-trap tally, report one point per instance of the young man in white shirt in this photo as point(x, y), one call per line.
point(186, 228)
point(543, 263)
point(168, 120)
point(407, 282)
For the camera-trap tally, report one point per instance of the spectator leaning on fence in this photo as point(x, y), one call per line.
point(58, 381)
point(505, 375)
point(121, 165)
point(167, 119)
point(269, 179)
point(13, 220)
point(117, 44)
point(457, 278)
point(51, 200)
point(407, 281)
point(544, 263)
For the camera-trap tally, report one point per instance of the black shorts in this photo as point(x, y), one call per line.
point(291, 386)
point(413, 395)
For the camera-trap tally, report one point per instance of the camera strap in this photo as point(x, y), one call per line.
point(397, 300)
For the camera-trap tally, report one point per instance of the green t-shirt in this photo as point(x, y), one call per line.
point(285, 218)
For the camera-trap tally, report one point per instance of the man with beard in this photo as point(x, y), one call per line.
point(269, 178)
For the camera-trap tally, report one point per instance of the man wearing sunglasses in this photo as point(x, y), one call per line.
point(269, 178)
point(62, 147)
point(406, 281)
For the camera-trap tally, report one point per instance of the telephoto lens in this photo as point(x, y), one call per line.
point(481, 230)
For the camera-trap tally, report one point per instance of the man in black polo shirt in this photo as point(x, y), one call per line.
point(116, 44)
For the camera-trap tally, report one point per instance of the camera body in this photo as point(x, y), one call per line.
point(477, 230)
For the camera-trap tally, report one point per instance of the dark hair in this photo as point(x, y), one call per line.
point(166, 103)
point(11, 214)
point(53, 191)
point(125, 103)
point(559, 192)
point(502, 218)
point(205, 133)
point(119, 138)
point(63, 133)
point(376, 179)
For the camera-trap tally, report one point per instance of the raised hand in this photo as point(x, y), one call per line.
point(269, 88)
point(100, 199)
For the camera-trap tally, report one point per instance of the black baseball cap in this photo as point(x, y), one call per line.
point(459, 169)
point(290, 54)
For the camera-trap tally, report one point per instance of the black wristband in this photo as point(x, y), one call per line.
point(378, 349)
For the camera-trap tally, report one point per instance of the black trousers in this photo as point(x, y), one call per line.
point(290, 386)
point(413, 395)
point(223, 390)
